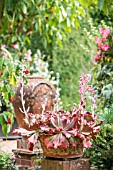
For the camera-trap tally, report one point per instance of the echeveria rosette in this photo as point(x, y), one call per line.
point(31, 136)
point(56, 141)
point(60, 127)
point(63, 130)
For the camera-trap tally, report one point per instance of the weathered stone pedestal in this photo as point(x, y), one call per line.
point(28, 160)
point(69, 164)
point(25, 158)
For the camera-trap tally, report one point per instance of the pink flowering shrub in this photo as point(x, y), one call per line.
point(104, 44)
point(102, 72)
point(62, 128)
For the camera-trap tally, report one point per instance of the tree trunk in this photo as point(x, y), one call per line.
point(2, 2)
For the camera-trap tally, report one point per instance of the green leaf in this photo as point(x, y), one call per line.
point(9, 4)
point(100, 4)
point(6, 74)
point(20, 17)
point(33, 1)
point(105, 9)
point(2, 121)
point(69, 12)
point(45, 42)
point(24, 8)
point(77, 23)
point(6, 96)
point(60, 17)
point(4, 129)
point(99, 75)
point(5, 116)
point(8, 128)
point(107, 93)
point(13, 80)
point(1, 63)
point(12, 93)
point(68, 22)
point(64, 13)
point(39, 23)
point(13, 39)
point(108, 87)
point(36, 26)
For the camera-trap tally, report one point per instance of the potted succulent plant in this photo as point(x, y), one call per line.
point(64, 134)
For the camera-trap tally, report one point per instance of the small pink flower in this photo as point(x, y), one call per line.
point(28, 56)
point(104, 39)
point(87, 143)
point(90, 90)
point(15, 46)
point(105, 47)
point(98, 54)
point(4, 54)
point(100, 40)
point(93, 101)
point(105, 32)
point(3, 46)
point(99, 47)
point(96, 59)
point(102, 30)
point(1, 73)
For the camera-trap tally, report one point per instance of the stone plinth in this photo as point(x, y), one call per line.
point(69, 164)
point(25, 158)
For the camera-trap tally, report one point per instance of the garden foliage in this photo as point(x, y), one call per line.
point(70, 61)
point(100, 153)
point(49, 23)
point(7, 161)
point(102, 71)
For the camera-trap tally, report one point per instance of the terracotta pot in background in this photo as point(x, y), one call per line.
point(35, 93)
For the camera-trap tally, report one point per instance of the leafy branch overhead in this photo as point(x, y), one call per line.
point(52, 19)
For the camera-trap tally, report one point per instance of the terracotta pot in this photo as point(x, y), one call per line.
point(70, 152)
point(35, 93)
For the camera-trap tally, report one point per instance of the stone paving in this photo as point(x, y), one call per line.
point(8, 145)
